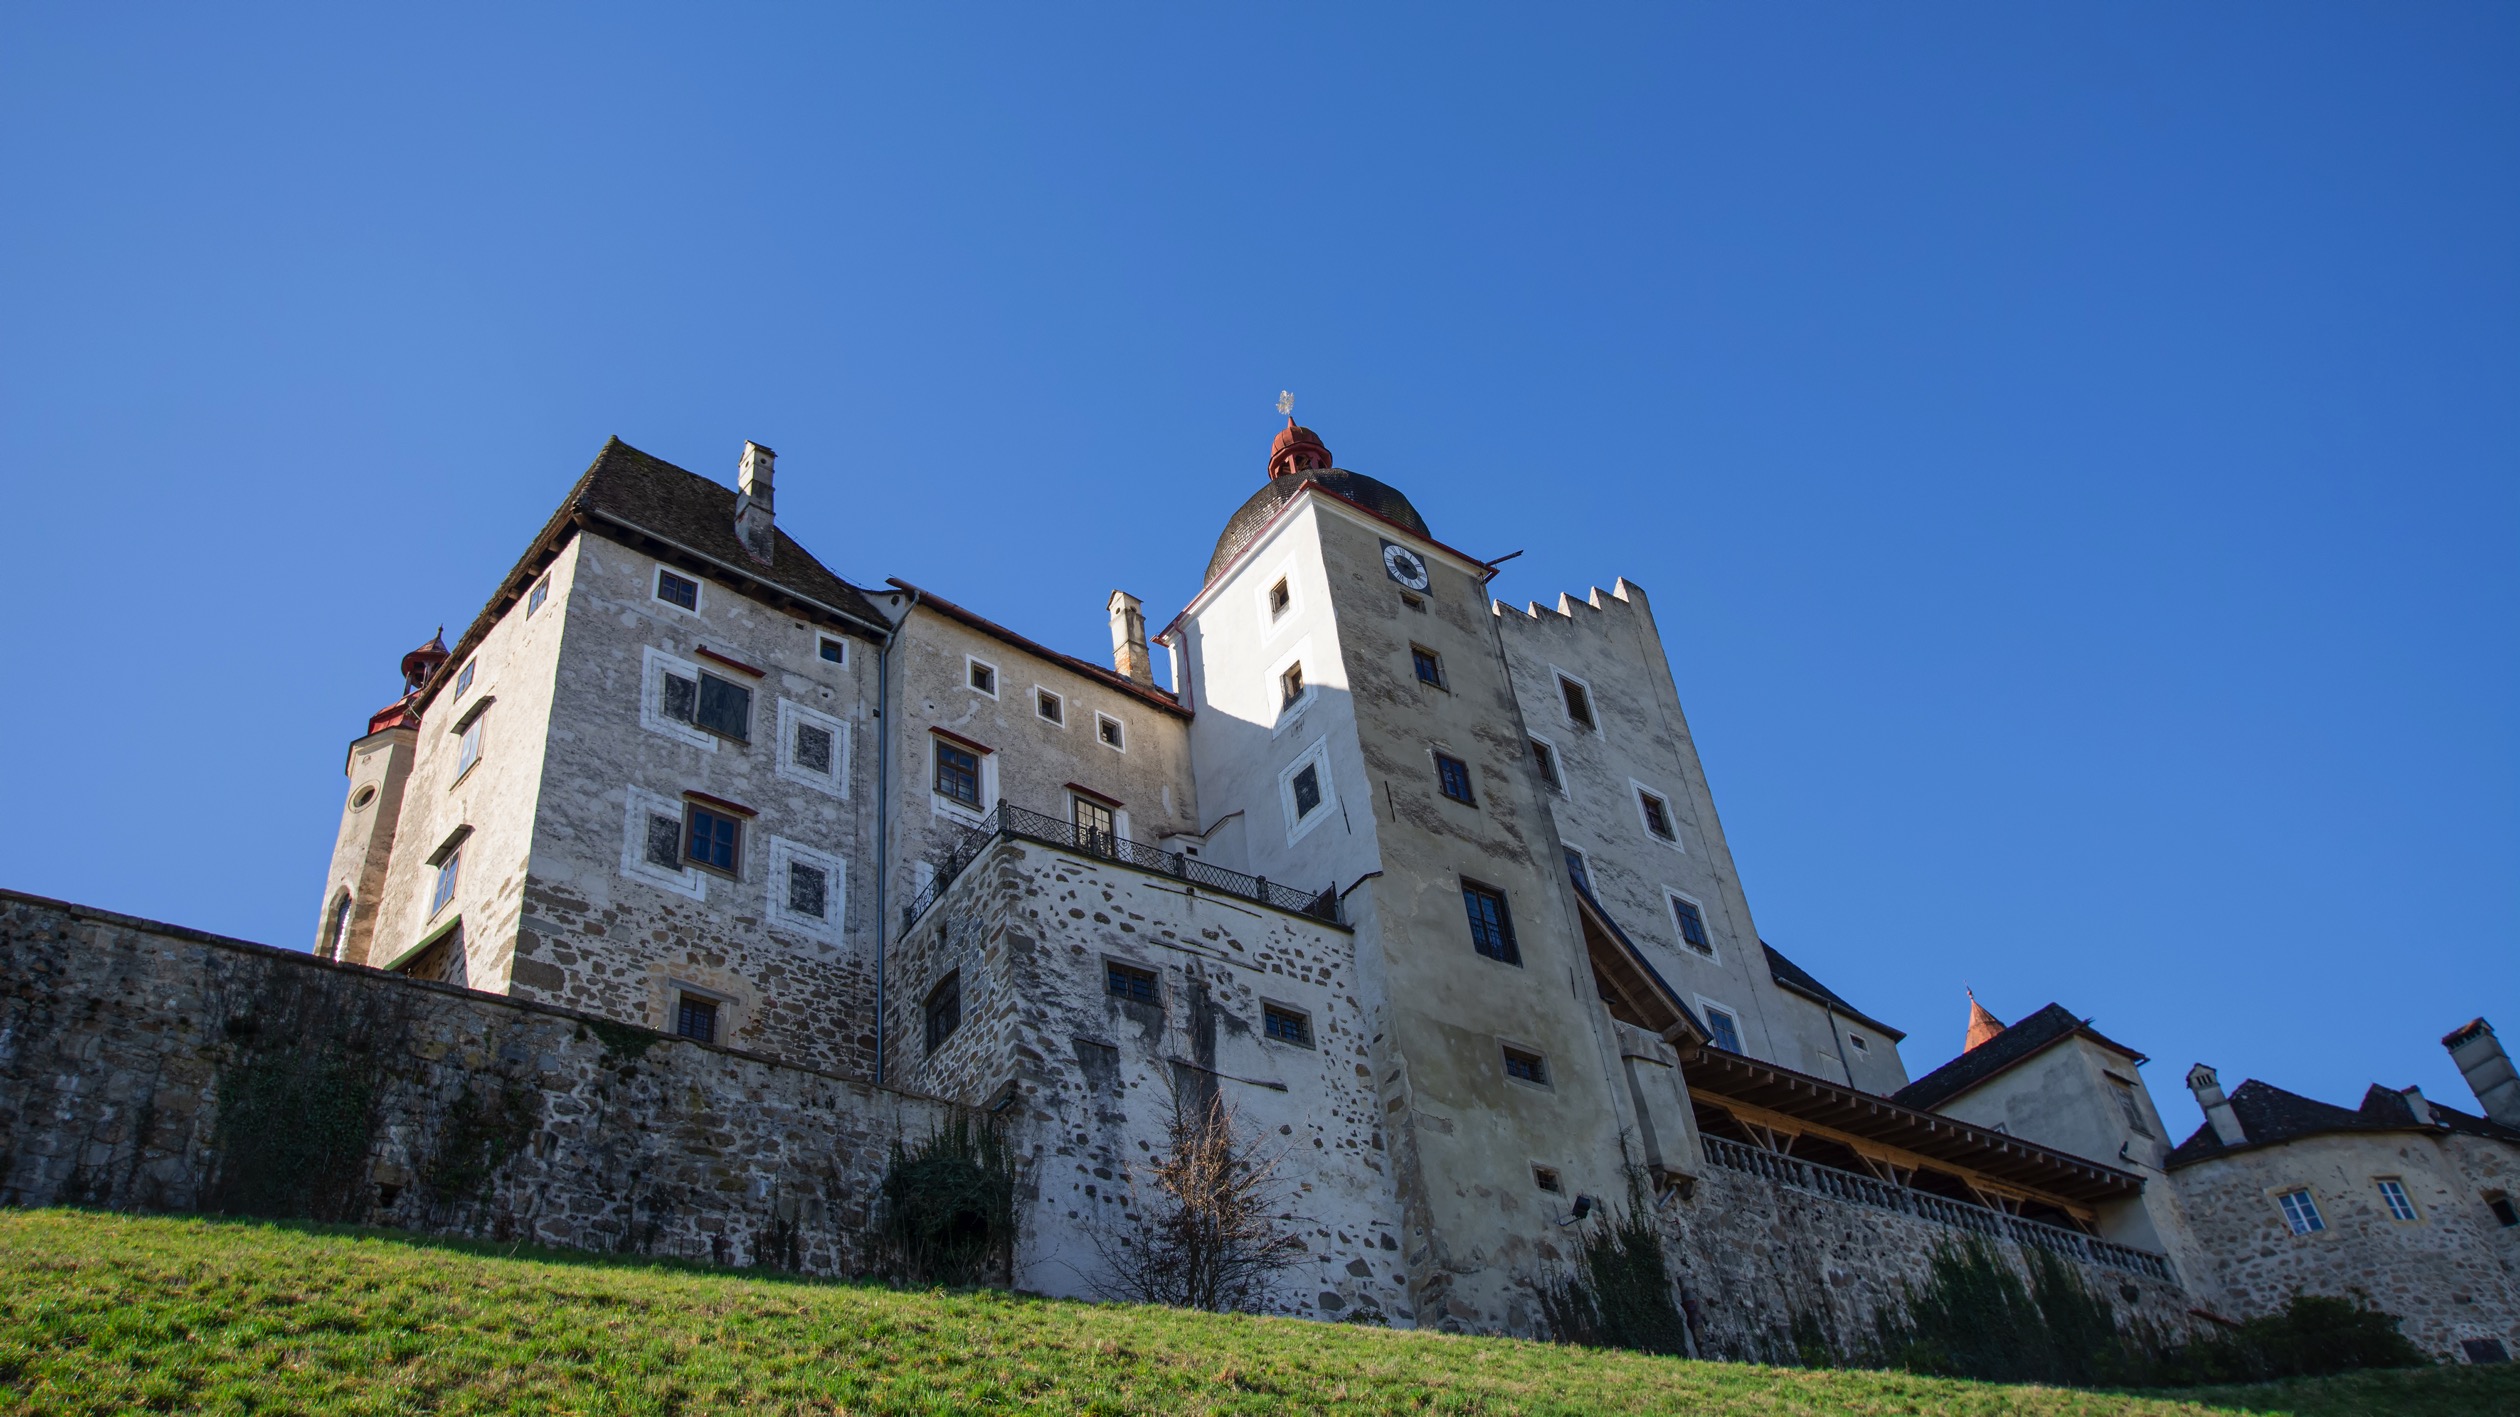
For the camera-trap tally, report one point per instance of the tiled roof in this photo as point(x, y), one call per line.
point(2016, 1044)
point(1794, 979)
point(628, 496)
point(2269, 1115)
point(1149, 693)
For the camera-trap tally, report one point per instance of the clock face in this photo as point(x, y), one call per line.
point(1404, 566)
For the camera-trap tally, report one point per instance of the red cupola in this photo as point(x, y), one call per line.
point(1297, 450)
point(417, 668)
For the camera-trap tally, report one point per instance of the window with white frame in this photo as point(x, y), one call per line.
point(831, 649)
point(963, 777)
point(1575, 697)
point(1654, 810)
point(1305, 791)
point(807, 890)
point(464, 677)
point(2301, 1213)
point(679, 591)
point(1721, 1023)
point(1544, 759)
point(1109, 733)
point(2393, 1195)
point(1281, 598)
point(813, 748)
point(1688, 917)
point(449, 861)
point(652, 844)
point(541, 592)
point(1049, 707)
point(468, 741)
point(669, 698)
point(980, 676)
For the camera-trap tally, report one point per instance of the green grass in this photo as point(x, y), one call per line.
point(109, 1313)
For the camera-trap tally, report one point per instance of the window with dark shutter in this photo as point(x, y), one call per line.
point(664, 841)
point(808, 889)
point(813, 748)
point(1491, 925)
point(682, 698)
point(725, 708)
point(1453, 776)
point(1307, 786)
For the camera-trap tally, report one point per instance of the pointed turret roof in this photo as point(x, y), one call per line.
point(1983, 1026)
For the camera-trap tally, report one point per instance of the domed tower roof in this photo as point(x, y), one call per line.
point(418, 665)
point(1298, 458)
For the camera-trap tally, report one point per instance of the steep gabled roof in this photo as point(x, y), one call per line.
point(647, 502)
point(1794, 979)
point(2015, 1045)
point(2269, 1115)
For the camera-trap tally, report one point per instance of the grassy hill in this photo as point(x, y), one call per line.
point(107, 1313)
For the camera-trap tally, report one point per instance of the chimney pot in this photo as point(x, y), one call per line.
point(1128, 640)
point(2218, 1113)
point(753, 513)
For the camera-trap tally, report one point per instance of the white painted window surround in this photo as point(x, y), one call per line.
point(1637, 792)
point(792, 716)
point(1672, 900)
point(641, 804)
point(1272, 624)
point(656, 572)
point(1283, 715)
point(1316, 756)
point(1720, 1017)
point(654, 665)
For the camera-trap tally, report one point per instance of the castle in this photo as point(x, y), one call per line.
point(1432, 889)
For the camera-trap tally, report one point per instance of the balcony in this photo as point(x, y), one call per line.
point(1016, 824)
point(1978, 1220)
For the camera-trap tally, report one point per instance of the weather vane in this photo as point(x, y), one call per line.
point(1286, 403)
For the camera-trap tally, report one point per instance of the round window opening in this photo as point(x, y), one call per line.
point(363, 796)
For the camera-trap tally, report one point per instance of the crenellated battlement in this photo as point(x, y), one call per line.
point(1623, 595)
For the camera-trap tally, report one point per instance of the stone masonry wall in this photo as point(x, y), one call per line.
point(1753, 1255)
point(147, 1066)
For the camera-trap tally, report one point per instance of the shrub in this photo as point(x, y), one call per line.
point(947, 1208)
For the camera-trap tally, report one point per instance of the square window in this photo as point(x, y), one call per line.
point(464, 676)
point(2394, 1194)
point(1491, 924)
point(1414, 602)
point(1049, 707)
point(1721, 1024)
point(711, 839)
point(1692, 925)
point(1129, 982)
point(1578, 702)
point(943, 1010)
point(1657, 815)
point(1286, 1025)
point(725, 708)
point(443, 890)
point(1858, 1040)
point(1109, 731)
point(833, 651)
point(1544, 758)
point(1280, 596)
point(957, 774)
point(809, 889)
point(1290, 686)
point(1307, 787)
point(1453, 776)
point(813, 748)
point(981, 676)
point(677, 590)
point(2505, 1213)
point(664, 841)
point(1546, 1178)
point(1429, 665)
point(534, 598)
point(1580, 869)
point(696, 1017)
point(2301, 1212)
point(1523, 1065)
point(468, 748)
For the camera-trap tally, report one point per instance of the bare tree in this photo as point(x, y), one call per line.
point(1208, 1239)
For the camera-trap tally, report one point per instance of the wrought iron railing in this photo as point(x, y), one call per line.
point(1013, 821)
point(1942, 1210)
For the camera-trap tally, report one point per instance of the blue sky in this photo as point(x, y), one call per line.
point(2071, 450)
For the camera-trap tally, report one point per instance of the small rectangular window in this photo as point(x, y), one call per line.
point(1049, 706)
point(2301, 1212)
point(833, 651)
point(1109, 731)
point(1546, 1178)
point(2505, 1213)
point(677, 590)
point(1858, 1040)
point(944, 1010)
point(1657, 815)
point(1721, 1024)
point(444, 890)
point(1127, 981)
point(982, 677)
point(1279, 598)
point(711, 840)
point(957, 774)
point(464, 676)
point(534, 598)
point(1414, 602)
point(1453, 776)
point(1580, 869)
point(813, 748)
point(1525, 1066)
point(1307, 786)
point(1286, 1025)
point(809, 890)
point(664, 841)
point(1290, 685)
point(696, 1017)
point(468, 748)
point(2394, 1195)
point(1692, 925)
point(1429, 665)
point(1578, 703)
point(1545, 758)
point(1491, 924)
point(725, 708)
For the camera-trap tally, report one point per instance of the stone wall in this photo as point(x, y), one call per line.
point(2449, 1274)
point(148, 1066)
point(1753, 1256)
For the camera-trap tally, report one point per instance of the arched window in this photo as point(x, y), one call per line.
point(338, 938)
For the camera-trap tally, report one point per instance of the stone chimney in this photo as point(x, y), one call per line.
point(2417, 1104)
point(752, 503)
point(2218, 1113)
point(1128, 639)
point(2487, 1069)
